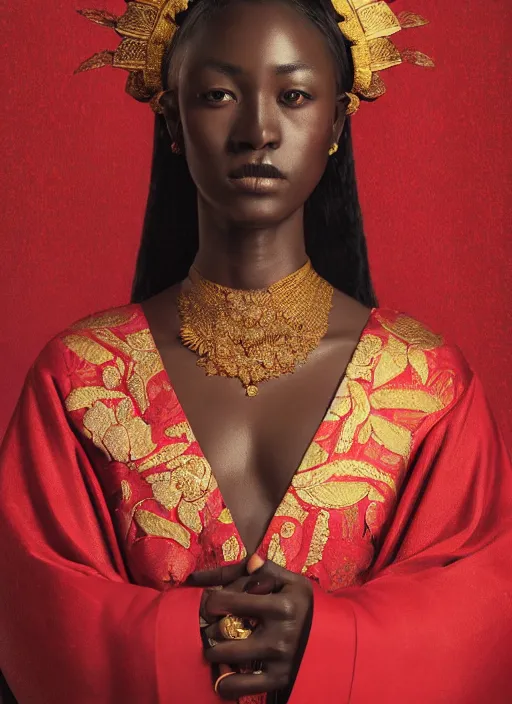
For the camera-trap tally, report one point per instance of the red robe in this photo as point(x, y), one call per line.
point(400, 513)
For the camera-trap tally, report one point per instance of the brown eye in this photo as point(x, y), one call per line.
point(296, 98)
point(217, 96)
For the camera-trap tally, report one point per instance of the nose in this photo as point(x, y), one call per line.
point(257, 125)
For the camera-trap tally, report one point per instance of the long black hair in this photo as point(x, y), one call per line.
point(333, 226)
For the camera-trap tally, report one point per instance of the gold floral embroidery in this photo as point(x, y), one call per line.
point(231, 549)
point(360, 412)
point(126, 490)
point(225, 516)
point(86, 396)
point(341, 404)
point(178, 430)
point(360, 366)
point(394, 437)
point(317, 488)
point(275, 551)
point(418, 361)
point(408, 399)
point(393, 361)
point(412, 332)
point(318, 540)
point(160, 527)
point(170, 452)
point(341, 468)
point(118, 432)
point(103, 320)
point(287, 529)
point(140, 348)
point(290, 508)
point(87, 349)
point(186, 486)
point(111, 377)
point(336, 495)
point(314, 456)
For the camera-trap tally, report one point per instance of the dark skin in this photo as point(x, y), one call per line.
point(222, 118)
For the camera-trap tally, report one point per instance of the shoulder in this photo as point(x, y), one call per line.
point(87, 338)
point(407, 352)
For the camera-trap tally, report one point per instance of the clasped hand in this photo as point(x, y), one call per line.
point(281, 604)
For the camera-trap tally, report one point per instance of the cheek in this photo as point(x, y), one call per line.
point(205, 132)
point(305, 153)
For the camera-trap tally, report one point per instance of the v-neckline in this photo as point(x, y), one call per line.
point(193, 439)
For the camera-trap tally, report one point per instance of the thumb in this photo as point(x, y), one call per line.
point(266, 568)
point(254, 563)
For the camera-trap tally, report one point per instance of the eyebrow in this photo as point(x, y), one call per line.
point(232, 70)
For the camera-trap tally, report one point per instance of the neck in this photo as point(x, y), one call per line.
point(248, 257)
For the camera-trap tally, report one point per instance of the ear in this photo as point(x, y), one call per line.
point(340, 116)
point(170, 105)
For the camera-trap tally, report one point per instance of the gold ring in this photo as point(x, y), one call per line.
point(235, 628)
point(219, 680)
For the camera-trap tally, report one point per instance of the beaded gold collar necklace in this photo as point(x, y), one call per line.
point(255, 335)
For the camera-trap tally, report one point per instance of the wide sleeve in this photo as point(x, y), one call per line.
point(433, 623)
point(72, 626)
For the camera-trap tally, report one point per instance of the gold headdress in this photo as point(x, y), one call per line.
point(147, 27)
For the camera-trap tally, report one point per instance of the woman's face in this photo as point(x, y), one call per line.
point(257, 85)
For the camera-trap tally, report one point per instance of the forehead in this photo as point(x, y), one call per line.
point(256, 35)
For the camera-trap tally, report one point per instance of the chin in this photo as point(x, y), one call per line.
point(256, 212)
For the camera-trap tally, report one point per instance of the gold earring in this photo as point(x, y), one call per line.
point(333, 149)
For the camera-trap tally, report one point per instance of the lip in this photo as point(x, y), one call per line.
point(257, 169)
point(251, 184)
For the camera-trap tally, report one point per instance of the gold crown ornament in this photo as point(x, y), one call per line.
point(147, 27)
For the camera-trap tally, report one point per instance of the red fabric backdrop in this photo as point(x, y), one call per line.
point(433, 164)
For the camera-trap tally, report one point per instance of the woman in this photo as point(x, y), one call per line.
point(252, 470)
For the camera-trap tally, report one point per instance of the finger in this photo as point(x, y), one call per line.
point(260, 568)
point(214, 633)
point(261, 584)
point(221, 576)
point(238, 652)
point(236, 686)
point(262, 607)
point(224, 670)
point(240, 585)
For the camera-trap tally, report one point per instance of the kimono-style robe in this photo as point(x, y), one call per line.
point(400, 514)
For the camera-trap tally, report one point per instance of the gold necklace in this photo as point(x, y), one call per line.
point(255, 335)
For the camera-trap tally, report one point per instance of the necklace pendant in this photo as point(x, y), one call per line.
point(255, 335)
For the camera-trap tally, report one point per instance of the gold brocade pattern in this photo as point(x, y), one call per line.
point(255, 335)
point(161, 488)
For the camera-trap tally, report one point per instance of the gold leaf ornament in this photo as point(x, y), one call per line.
point(394, 437)
point(393, 362)
point(335, 495)
point(88, 349)
point(160, 527)
point(412, 331)
point(316, 486)
point(117, 431)
point(275, 551)
point(418, 361)
point(169, 453)
point(315, 455)
point(407, 399)
point(358, 416)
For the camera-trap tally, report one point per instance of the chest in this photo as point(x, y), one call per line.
point(255, 445)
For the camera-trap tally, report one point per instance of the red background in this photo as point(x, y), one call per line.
point(433, 166)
